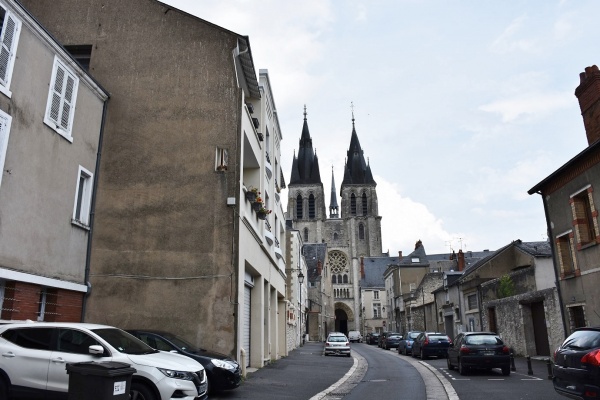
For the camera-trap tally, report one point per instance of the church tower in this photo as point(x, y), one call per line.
point(306, 200)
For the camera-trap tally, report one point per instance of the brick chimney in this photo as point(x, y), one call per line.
point(400, 256)
point(362, 267)
point(588, 94)
point(461, 260)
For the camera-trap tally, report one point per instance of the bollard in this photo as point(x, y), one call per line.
point(549, 365)
point(529, 370)
point(243, 361)
point(512, 362)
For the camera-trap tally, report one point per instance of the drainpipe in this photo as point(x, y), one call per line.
point(88, 256)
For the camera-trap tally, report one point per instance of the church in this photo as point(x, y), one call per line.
point(350, 231)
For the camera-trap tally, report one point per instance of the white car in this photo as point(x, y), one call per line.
point(33, 359)
point(354, 336)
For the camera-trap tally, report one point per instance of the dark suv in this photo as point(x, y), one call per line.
point(576, 370)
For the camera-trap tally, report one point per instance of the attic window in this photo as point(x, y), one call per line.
point(414, 259)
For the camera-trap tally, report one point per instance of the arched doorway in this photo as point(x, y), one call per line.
point(341, 321)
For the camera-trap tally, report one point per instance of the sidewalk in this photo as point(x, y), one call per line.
point(301, 375)
point(539, 366)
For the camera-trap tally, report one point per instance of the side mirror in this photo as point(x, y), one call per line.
point(96, 350)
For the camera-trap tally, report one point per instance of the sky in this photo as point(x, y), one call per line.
point(460, 107)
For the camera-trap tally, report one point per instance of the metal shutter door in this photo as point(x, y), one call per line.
point(246, 323)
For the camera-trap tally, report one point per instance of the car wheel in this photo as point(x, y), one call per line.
point(4, 386)
point(140, 391)
point(461, 368)
point(506, 371)
point(450, 366)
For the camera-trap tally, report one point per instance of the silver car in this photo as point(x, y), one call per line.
point(338, 344)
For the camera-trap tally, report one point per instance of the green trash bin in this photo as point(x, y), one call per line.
point(107, 380)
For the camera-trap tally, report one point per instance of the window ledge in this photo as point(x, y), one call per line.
point(58, 130)
point(80, 224)
point(587, 245)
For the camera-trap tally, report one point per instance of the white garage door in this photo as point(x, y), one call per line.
point(246, 316)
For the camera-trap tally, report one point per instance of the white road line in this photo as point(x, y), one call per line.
point(331, 388)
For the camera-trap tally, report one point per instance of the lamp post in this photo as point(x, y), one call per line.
point(300, 281)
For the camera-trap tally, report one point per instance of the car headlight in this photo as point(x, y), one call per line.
point(171, 373)
point(223, 364)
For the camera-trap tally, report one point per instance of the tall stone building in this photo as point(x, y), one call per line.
point(351, 232)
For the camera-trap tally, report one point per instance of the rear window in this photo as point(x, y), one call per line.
point(438, 337)
point(337, 339)
point(395, 337)
point(483, 339)
point(414, 335)
point(583, 340)
point(30, 338)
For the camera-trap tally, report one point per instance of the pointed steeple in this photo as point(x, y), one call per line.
point(333, 204)
point(356, 170)
point(305, 168)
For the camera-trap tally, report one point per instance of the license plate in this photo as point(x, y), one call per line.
point(488, 353)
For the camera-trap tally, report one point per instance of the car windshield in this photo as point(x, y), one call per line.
point(414, 335)
point(123, 341)
point(182, 343)
point(583, 340)
point(337, 339)
point(482, 339)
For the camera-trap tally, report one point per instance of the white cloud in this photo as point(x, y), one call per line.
point(508, 41)
point(528, 105)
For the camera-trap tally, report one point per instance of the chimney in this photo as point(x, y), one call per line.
point(461, 260)
point(400, 256)
point(362, 267)
point(588, 94)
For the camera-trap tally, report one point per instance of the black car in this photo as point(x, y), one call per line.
point(429, 344)
point(482, 350)
point(576, 370)
point(391, 341)
point(372, 338)
point(223, 372)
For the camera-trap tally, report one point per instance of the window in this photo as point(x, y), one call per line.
point(299, 207)
point(74, 341)
point(345, 278)
point(564, 247)
point(61, 100)
point(364, 204)
point(376, 294)
point(582, 206)
point(82, 53)
point(334, 279)
point(376, 310)
point(311, 206)
point(472, 301)
point(306, 234)
point(361, 231)
point(31, 338)
point(9, 38)
point(577, 317)
point(352, 204)
point(83, 197)
point(221, 159)
point(5, 121)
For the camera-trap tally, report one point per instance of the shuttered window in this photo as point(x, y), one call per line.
point(61, 100)
point(9, 38)
point(83, 197)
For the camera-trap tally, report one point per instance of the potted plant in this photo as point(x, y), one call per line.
point(262, 213)
point(251, 194)
point(257, 205)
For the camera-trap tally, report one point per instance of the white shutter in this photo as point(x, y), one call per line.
point(61, 99)
point(8, 45)
point(5, 121)
point(246, 323)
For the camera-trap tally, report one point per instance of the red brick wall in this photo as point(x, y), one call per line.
point(22, 301)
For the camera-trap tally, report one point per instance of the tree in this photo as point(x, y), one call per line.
point(506, 288)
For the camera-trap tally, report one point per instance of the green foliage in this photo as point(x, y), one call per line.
point(506, 288)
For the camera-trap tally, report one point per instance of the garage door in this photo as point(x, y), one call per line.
point(246, 316)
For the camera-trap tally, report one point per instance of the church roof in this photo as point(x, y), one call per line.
point(305, 167)
point(356, 171)
point(333, 204)
point(374, 269)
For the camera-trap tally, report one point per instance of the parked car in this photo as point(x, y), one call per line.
point(337, 343)
point(35, 355)
point(382, 337)
point(405, 344)
point(391, 341)
point(482, 350)
point(223, 372)
point(429, 344)
point(354, 336)
point(372, 338)
point(576, 369)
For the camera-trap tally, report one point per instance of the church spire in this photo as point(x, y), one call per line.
point(356, 170)
point(305, 168)
point(333, 204)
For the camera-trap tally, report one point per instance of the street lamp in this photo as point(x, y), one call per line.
point(300, 280)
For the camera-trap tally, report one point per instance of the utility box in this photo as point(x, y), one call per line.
point(108, 380)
